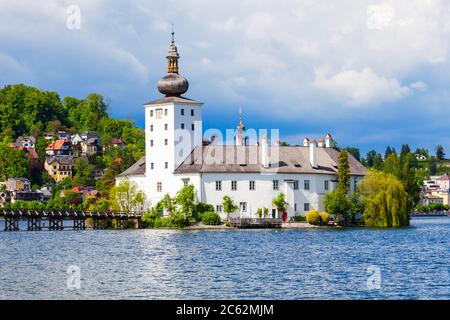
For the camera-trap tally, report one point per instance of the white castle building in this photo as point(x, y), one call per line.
point(252, 175)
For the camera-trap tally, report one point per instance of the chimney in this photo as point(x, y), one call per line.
point(320, 143)
point(306, 142)
point(265, 152)
point(313, 153)
point(329, 141)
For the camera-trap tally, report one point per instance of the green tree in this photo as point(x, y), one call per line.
point(127, 197)
point(185, 199)
point(404, 151)
point(228, 206)
point(343, 172)
point(440, 154)
point(108, 180)
point(337, 203)
point(84, 172)
point(354, 152)
point(432, 166)
point(385, 200)
point(72, 198)
point(280, 202)
point(13, 163)
point(369, 158)
point(378, 162)
point(387, 152)
point(168, 203)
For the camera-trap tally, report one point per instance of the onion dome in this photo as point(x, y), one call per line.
point(172, 84)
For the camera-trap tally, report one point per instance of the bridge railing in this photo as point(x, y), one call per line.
point(62, 213)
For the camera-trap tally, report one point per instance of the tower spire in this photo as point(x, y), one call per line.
point(173, 34)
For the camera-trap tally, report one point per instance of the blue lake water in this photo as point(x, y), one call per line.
point(413, 263)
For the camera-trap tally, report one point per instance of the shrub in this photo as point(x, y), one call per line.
point(211, 218)
point(324, 217)
point(259, 213)
point(313, 217)
point(299, 218)
point(200, 209)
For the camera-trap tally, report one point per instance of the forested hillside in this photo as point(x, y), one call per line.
point(26, 110)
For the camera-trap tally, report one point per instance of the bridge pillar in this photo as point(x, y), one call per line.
point(55, 224)
point(79, 224)
point(34, 224)
point(121, 223)
point(96, 224)
point(11, 224)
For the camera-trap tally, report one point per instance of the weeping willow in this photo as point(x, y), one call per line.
point(385, 201)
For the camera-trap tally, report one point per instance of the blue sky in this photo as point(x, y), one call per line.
point(372, 73)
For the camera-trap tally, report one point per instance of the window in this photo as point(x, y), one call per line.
point(151, 113)
point(151, 143)
point(165, 112)
point(355, 184)
point(218, 208)
point(182, 126)
point(166, 142)
point(186, 182)
point(192, 112)
point(326, 185)
point(252, 185)
point(159, 187)
point(192, 127)
point(166, 126)
point(182, 112)
point(306, 207)
point(152, 166)
point(295, 207)
point(151, 127)
point(243, 206)
point(275, 184)
point(218, 185)
point(234, 185)
point(306, 184)
point(296, 185)
point(166, 165)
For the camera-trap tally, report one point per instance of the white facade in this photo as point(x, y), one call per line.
point(251, 191)
point(172, 130)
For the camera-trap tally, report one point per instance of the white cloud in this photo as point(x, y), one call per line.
point(363, 87)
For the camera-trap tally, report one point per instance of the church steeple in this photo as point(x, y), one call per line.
point(240, 139)
point(173, 56)
point(172, 84)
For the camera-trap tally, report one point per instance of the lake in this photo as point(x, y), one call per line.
point(406, 263)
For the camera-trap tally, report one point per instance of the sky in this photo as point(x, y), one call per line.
point(372, 73)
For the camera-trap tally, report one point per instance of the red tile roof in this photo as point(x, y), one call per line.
point(56, 145)
point(116, 141)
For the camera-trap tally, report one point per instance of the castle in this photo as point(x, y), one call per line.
point(252, 175)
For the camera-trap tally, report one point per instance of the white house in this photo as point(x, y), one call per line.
point(252, 175)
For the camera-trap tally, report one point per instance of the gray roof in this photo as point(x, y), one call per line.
point(21, 138)
point(246, 159)
point(174, 99)
point(63, 160)
point(137, 169)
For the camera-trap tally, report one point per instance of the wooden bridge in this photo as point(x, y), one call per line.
point(38, 220)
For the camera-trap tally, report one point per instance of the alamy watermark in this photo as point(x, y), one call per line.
point(73, 21)
point(74, 277)
point(374, 279)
